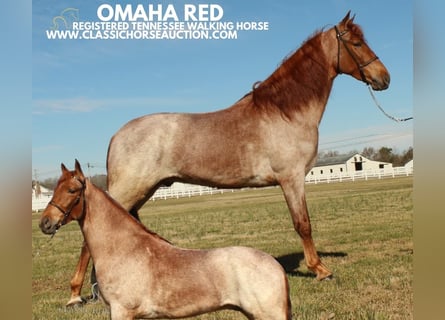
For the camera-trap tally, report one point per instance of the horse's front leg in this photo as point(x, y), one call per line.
point(79, 276)
point(293, 189)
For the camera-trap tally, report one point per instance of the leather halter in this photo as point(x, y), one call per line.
point(360, 66)
point(66, 213)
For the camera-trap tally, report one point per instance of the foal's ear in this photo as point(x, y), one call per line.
point(64, 169)
point(78, 168)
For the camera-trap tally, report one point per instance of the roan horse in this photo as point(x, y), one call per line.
point(141, 275)
point(268, 137)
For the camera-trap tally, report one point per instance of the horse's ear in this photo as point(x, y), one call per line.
point(352, 19)
point(346, 18)
point(64, 169)
point(78, 168)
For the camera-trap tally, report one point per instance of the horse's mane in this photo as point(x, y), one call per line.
point(300, 78)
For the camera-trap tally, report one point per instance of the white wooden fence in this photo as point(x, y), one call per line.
point(179, 190)
point(359, 175)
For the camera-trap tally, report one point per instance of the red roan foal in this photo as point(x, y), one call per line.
point(140, 275)
point(268, 137)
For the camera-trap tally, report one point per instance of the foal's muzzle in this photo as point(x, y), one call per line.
point(48, 226)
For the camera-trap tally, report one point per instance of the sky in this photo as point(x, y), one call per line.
point(83, 91)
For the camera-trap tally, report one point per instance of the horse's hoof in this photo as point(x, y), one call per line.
point(322, 272)
point(326, 278)
point(75, 302)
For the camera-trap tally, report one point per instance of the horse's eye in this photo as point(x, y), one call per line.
point(71, 190)
point(357, 44)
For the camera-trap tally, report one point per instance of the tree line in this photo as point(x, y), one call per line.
point(100, 180)
point(384, 154)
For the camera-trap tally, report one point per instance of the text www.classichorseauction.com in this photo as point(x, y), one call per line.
point(151, 22)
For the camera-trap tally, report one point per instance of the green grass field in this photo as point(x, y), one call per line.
point(362, 230)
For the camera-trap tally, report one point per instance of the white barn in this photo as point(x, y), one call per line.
point(410, 165)
point(40, 197)
point(346, 164)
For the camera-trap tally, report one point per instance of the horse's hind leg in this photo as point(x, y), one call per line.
point(296, 200)
point(79, 276)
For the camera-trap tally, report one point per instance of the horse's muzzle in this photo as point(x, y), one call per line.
point(381, 83)
point(47, 226)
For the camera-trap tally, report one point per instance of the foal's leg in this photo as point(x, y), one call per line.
point(79, 275)
point(293, 189)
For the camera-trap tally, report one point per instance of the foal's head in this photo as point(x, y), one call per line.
point(68, 201)
point(355, 57)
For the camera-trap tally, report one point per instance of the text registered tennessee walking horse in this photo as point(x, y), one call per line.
point(141, 275)
point(268, 137)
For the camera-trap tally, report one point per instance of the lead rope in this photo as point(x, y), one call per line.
point(95, 294)
point(381, 109)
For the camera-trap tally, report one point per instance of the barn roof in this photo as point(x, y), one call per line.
point(340, 159)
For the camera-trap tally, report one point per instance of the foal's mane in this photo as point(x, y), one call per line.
point(118, 207)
